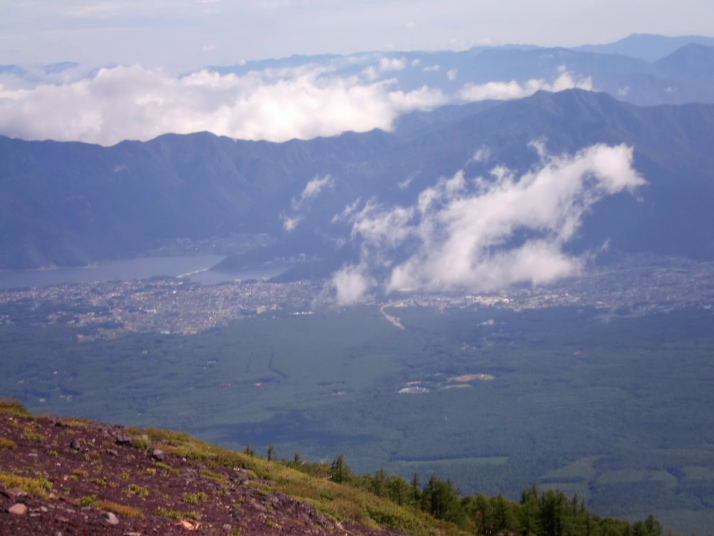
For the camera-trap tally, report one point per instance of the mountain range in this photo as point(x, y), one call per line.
point(75, 203)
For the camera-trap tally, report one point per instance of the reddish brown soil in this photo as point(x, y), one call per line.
point(99, 460)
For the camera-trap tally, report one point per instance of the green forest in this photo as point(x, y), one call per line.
point(619, 413)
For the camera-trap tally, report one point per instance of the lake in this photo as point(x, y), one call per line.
point(194, 267)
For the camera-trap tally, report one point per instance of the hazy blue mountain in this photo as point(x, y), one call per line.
point(73, 203)
point(59, 67)
point(642, 69)
point(13, 70)
point(647, 47)
point(691, 62)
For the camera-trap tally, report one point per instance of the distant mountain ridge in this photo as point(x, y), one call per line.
point(648, 47)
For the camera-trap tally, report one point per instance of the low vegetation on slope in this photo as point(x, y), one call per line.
point(72, 472)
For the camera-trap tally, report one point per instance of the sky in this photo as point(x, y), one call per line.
point(195, 33)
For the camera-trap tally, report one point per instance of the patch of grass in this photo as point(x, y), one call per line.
point(75, 423)
point(151, 471)
point(87, 500)
point(52, 453)
point(13, 407)
point(33, 486)
point(127, 511)
point(124, 475)
point(136, 490)
point(100, 482)
point(194, 498)
point(263, 489)
point(155, 434)
point(7, 443)
point(192, 515)
point(213, 476)
point(33, 436)
point(167, 468)
point(80, 472)
point(140, 443)
point(171, 514)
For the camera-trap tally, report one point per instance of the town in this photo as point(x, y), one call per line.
point(636, 286)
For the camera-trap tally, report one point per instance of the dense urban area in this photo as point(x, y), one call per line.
point(637, 286)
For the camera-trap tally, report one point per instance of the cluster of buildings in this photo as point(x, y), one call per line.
point(636, 287)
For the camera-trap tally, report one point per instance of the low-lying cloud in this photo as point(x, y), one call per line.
point(301, 204)
point(312, 189)
point(514, 90)
point(134, 102)
point(484, 233)
point(138, 103)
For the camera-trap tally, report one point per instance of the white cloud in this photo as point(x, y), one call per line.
point(433, 68)
point(290, 224)
point(392, 64)
point(514, 90)
point(312, 190)
point(139, 103)
point(481, 154)
point(370, 73)
point(451, 74)
point(485, 234)
point(351, 285)
point(315, 186)
point(347, 212)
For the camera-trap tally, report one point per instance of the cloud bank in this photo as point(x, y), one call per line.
point(138, 103)
point(485, 233)
point(278, 104)
point(514, 90)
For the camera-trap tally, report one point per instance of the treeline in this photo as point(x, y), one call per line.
point(538, 513)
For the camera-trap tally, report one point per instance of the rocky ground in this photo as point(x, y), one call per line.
point(70, 477)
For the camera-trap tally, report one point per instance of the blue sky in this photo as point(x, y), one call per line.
point(194, 33)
